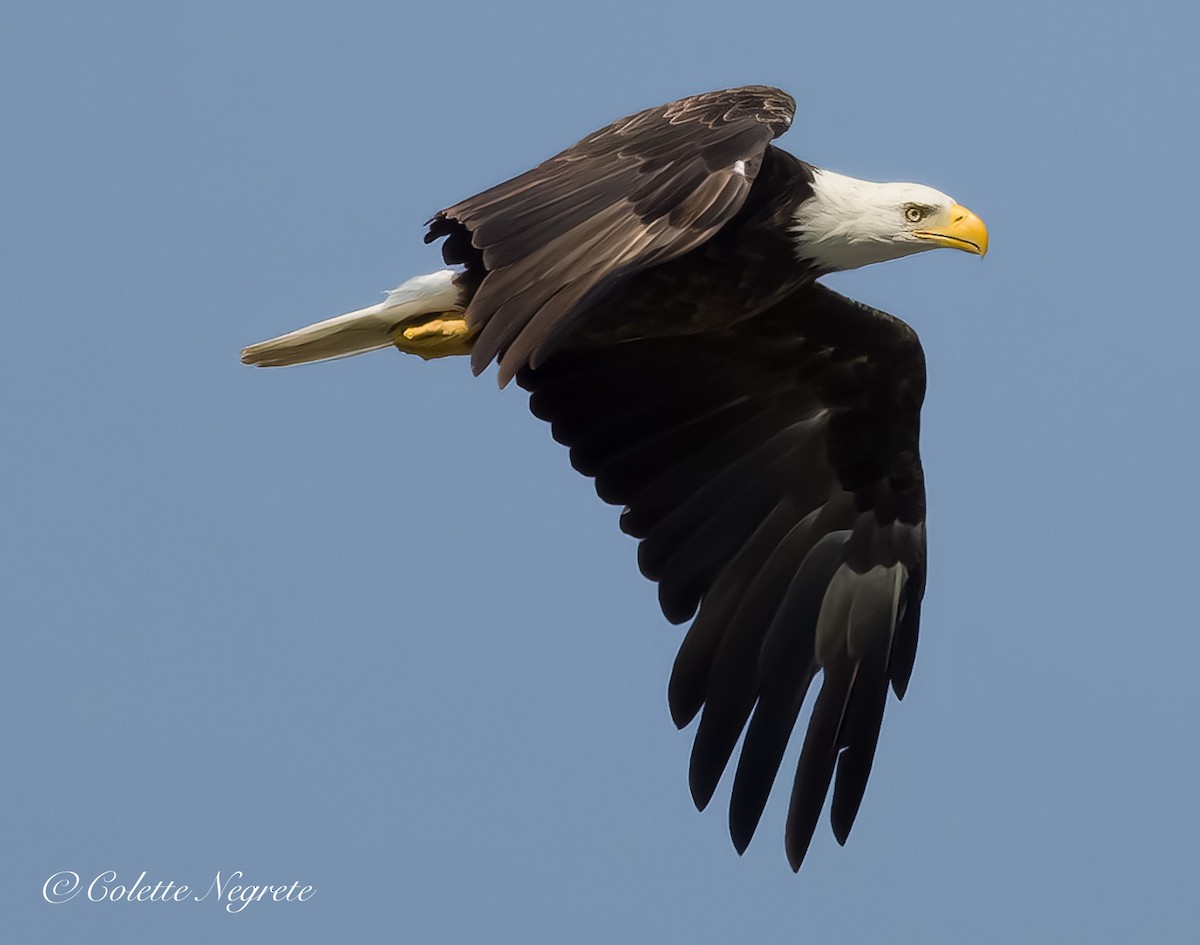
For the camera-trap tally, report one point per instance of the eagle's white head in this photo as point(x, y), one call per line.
point(848, 223)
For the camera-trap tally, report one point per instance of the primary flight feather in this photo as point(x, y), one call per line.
point(654, 288)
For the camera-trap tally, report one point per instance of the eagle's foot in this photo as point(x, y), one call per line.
point(443, 335)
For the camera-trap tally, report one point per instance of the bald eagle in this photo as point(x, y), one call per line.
point(654, 288)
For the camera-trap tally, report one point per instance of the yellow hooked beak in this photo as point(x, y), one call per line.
point(964, 231)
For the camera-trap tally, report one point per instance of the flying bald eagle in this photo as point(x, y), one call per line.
point(654, 288)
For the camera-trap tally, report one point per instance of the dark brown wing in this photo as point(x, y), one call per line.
point(642, 191)
point(772, 473)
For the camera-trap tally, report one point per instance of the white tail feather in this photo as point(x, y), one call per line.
point(368, 329)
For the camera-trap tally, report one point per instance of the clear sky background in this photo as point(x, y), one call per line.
point(360, 625)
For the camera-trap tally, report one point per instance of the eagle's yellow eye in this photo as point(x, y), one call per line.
point(914, 214)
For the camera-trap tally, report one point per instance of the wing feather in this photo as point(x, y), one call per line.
point(771, 471)
point(644, 190)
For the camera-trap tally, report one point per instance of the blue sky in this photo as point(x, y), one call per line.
point(360, 625)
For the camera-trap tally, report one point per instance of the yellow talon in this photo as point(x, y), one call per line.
point(442, 336)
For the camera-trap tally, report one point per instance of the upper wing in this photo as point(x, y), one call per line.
point(641, 191)
point(772, 473)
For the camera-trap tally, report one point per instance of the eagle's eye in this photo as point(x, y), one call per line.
point(914, 213)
